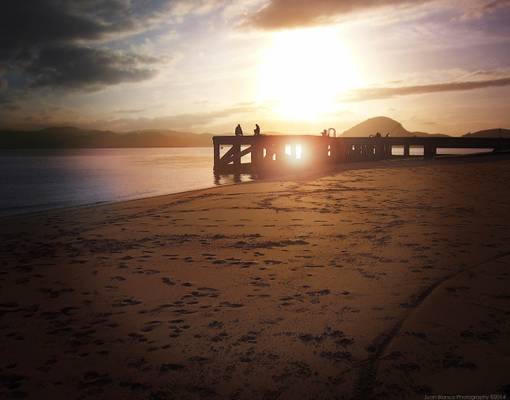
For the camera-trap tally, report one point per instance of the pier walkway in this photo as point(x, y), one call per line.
point(274, 153)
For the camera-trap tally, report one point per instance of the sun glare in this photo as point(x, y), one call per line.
point(303, 73)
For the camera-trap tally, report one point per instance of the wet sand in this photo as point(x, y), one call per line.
point(385, 282)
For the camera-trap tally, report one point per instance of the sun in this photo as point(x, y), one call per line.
point(304, 72)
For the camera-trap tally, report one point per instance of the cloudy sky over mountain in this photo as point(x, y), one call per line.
point(291, 65)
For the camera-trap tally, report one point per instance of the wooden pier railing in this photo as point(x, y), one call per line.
point(258, 154)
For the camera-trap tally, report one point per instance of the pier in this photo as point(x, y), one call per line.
point(278, 153)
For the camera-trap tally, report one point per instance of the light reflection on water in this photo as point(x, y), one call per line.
point(33, 180)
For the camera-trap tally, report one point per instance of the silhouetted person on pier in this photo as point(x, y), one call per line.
point(324, 133)
point(377, 134)
point(256, 131)
point(239, 130)
point(387, 135)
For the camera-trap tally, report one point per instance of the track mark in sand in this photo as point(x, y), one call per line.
point(368, 368)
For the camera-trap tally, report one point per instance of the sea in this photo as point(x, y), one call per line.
point(37, 180)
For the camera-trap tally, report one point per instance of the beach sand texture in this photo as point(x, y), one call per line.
point(384, 282)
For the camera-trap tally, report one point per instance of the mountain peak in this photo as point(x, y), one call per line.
point(380, 124)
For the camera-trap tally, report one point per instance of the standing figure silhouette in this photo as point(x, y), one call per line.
point(239, 130)
point(256, 131)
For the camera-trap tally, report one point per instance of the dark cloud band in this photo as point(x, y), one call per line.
point(386, 92)
point(54, 43)
point(279, 14)
point(283, 14)
point(86, 67)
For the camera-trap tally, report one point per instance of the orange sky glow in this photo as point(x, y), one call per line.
point(292, 66)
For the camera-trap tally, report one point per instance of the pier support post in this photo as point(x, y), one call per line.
point(357, 152)
point(216, 156)
point(257, 156)
point(379, 150)
point(429, 151)
point(340, 153)
point(386, 152)
point(237, 157)
point(407, 151)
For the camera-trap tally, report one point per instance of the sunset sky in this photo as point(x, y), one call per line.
point(290, 65)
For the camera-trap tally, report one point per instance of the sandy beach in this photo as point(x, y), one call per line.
point(389, 280)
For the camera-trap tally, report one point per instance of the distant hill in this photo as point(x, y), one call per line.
point(490, 133)
point(71, 137)
point(383, 125)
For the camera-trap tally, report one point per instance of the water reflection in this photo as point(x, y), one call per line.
point(33, 180)
point(229, 179)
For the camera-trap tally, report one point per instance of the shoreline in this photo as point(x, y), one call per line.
point(282, 178)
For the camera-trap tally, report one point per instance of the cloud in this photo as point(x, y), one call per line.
point(386, 92)
point(85, 67)
point(282, 14)
point(184, 121)
point(130, 110)
point(279, 14)
point(7, 103)
point(52, 42)
point(477, 9)
point(27, 27)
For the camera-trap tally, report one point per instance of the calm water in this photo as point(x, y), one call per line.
point(34, 180)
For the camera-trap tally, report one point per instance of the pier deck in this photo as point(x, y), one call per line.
point(272, 153)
